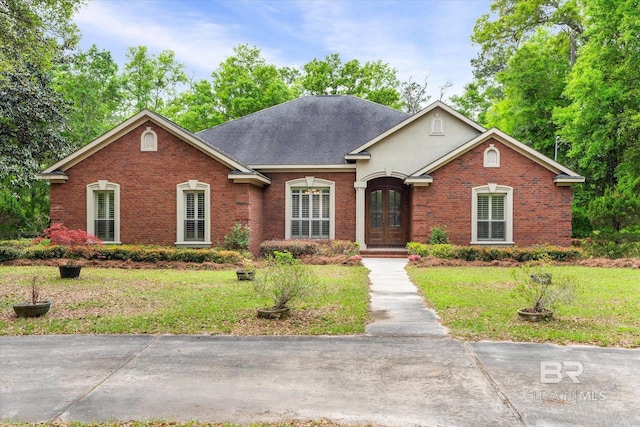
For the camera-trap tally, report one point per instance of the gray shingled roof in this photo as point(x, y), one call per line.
point(309, 130)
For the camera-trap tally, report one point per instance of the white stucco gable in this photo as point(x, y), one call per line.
point(423, 138)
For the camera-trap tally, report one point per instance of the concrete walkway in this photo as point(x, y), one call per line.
point(416, 376)
point(397, 308)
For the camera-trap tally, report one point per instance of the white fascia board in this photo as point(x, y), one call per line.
point(249, 178)
point(359, 156)
point(419, 114)
point(53, 178)
point(134, 121)
point(566, 181)
point(419, 181)
point(510, 142)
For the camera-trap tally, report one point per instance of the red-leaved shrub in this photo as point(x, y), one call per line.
point(58, 234)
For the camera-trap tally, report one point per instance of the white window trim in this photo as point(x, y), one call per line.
point(492, 189)
point(310, 182)
point(103, 185)
point(193, 185)
point(143, 146)
point(488, 164)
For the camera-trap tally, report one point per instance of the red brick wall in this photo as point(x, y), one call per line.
point(148, 189)
point(274, 207)
point(541, 210)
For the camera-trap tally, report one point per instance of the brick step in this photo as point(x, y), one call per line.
point(384, 253)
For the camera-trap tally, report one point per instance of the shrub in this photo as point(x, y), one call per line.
point(475, 253)
point(58, 234)
point(541, 290)
point(238, 238)
point(8, 253)
point(438, 235)
point(285, 280)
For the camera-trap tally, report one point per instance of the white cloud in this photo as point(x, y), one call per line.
point(416, 38)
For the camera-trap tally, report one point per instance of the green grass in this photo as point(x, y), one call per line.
point(478, 303)
point(119, 301)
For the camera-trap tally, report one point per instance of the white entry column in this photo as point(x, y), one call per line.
point(360, 212)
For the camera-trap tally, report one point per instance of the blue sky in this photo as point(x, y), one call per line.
point(417, 37)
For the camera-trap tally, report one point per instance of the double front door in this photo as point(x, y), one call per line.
point(387, 219)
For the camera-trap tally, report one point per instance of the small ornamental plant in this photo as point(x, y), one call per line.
point(285, 280)
point(414, 257)
point(78, 242)
point(542, 292)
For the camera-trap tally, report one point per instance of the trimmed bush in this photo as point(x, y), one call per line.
point(136, 253)
point(477, 253)
point(301, 247)
point(8, 253)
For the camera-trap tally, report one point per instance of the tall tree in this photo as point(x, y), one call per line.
point(196, 108)
point(413, 95)
point(602, 122)
point(375, 81)
point(512, 22)
point(244, 83)
point(475, 101)
point(90, 83)
point(151, 81)
point(533, 82)
point(35, 36)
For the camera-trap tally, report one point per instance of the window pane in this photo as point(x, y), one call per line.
point(296, 229)
point(190, 205)
point(315, 229)
point(498, 231)
point(200, 205)
point(483, 207)
point(315, 204)
point(375, 208)
point(304, 229)
point(483, 230)
point(497, 207)
point(305, 206)
point(326, 207)
point(395, 201)
point(295, 204)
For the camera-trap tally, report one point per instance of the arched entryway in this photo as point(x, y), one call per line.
point(386, 213)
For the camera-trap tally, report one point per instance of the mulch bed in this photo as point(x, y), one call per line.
point(321, 260)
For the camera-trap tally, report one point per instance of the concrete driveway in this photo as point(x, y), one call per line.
point(387, 377)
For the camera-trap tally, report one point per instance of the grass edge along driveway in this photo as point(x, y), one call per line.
point(478, 303)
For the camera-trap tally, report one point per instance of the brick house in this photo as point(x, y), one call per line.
point(325, 167)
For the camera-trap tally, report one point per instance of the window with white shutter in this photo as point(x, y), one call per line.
point(492, 215)
point(193, 227)
point(103, 211)
point(309, 209)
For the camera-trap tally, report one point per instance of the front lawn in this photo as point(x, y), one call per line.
point(120, 301)
point(477, 303)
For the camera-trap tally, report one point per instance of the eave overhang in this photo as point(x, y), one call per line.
point(419, 181)
point(363, 155)
point(57, 177)
point(563, 180)
point(253, 178)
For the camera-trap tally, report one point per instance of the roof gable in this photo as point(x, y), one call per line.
point(53, 172)
point(409, 120)
point(565, 176)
